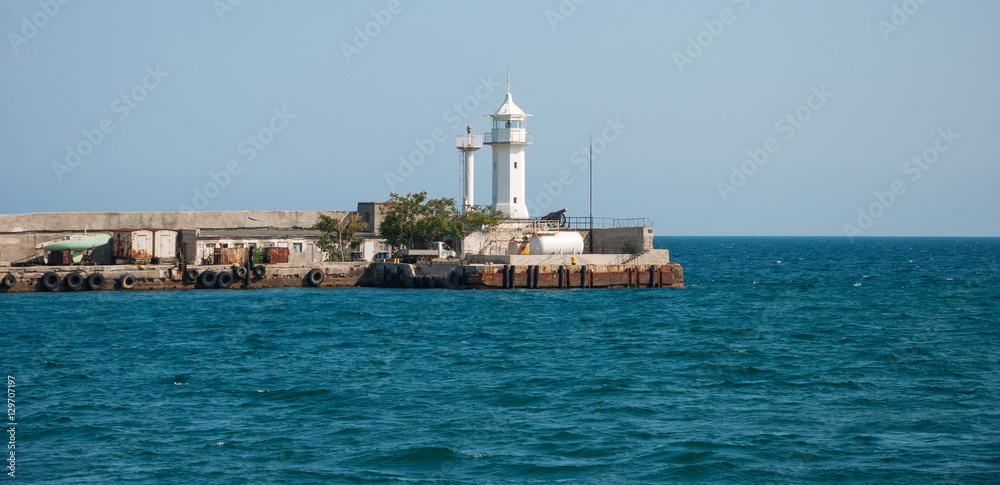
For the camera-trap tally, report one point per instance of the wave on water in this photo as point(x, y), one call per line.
point(785, 360)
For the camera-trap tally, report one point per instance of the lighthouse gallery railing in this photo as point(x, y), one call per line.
point(506, 137)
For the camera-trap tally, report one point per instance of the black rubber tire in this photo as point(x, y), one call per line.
point(95, 282)
point(8, 281)
point(224, 280)
point(74, 281)
point(127, 281)
point(259, 271)
point(207, 279)
point(315, 277)
point(191, 275)
point(49, 281)
point(240, 272)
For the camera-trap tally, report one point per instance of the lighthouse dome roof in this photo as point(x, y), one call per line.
point(508, 108)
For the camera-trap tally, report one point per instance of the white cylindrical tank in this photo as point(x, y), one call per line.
point(568, 242)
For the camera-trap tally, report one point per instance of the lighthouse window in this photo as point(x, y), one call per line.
point(515, 200)
point(508, 124)
point(515, 164)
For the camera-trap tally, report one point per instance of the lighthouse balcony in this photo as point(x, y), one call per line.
point(497, 137)
point(469, 141)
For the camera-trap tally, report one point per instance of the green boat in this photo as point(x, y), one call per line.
point(78, 244)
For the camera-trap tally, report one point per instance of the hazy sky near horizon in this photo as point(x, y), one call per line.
point(722, 117)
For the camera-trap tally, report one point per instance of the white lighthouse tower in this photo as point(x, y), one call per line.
point(468, 144)
point(508, 138)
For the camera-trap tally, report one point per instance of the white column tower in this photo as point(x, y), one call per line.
point(468, 144)
point(508, 138)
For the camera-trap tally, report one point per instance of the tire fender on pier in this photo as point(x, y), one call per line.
point(127, 281)
point(49, 281)
point(224, 280)
point(315, 277)
point(259, 271)
point(74, 281)
point(207, 279)
point(95, 282)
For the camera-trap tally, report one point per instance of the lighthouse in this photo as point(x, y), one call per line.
point(468, 144)
point(508, 138)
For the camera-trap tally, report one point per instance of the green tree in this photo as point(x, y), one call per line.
point(480, 216)
point(414, 221)
point(338, 237)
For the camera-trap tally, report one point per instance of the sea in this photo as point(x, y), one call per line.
point(784, 360)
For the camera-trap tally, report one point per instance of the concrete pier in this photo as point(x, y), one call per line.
point(163, 277)
point(437, 274)
point(509, 276)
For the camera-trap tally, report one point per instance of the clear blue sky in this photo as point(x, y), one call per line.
point(679, 95)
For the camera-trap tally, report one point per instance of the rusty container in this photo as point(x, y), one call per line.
point(132, 244)
point(275, 255)
point(60, 258)
point(231, 255)
point(164, 245)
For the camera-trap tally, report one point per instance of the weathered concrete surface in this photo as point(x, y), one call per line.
point(19, 233)
point(164, 277)
point(491, 276)
point(623, 239)
point(107, 221)
point(439, 274)
point(653, 256)
point(662, 256)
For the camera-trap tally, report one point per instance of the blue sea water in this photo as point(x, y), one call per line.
point(785, 360)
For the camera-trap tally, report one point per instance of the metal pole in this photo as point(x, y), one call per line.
point(591, 194)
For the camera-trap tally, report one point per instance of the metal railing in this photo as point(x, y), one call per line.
point(503, 136)
point(534, 224)
point(607, 222)
point(469, 141)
